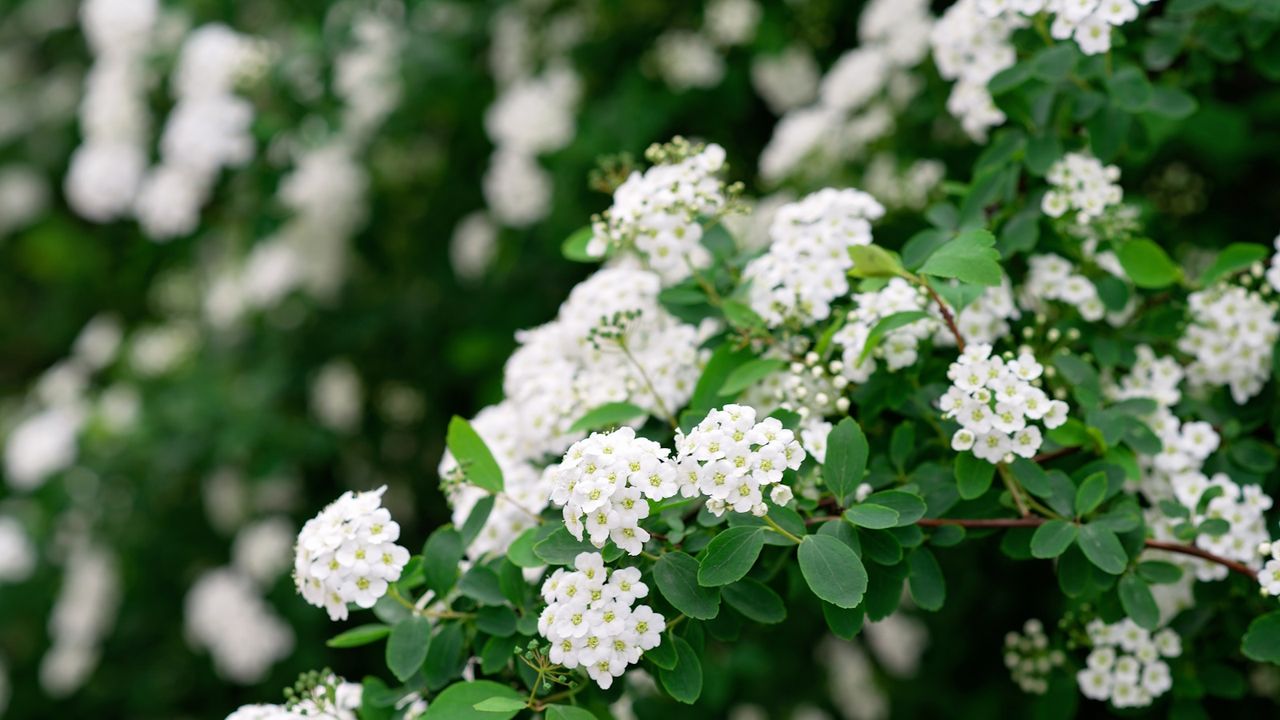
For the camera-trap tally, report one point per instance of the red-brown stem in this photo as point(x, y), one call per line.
point(947, 317)
point(1191, 550)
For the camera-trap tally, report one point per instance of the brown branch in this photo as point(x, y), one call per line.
point(1022, 522)
point(947, 317)
point(1055, 454)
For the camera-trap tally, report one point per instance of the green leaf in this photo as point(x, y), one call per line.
point(496, 620)
point(496, 653)
point(832, 570)
point(458, 701)
point(1103, 549)
point(567, 712)
point(684, 681)
point(561, 547)
point(481, 584)
point(663, 655)
point(357, 636)
point(846, 459)
point(886, 325)
point(444, 657)
point(1138, 602)
point(1215, 527)
point(871, 261)
point(921, 245)
point(1172, 103)
point(520, 552)
point(1052, 539)
point(500, 704)
point(1262, 641)
point(440, 558)
point(407, 646)
point(750, 373)
point(1129, 89)
point(473, 456)
point(909, 506)
point(575, 246)
point(1009, 78)
point(1055, 63)
point(928, 586)
point(676, 574)
point(1091, 493)
point(755, 600)
point(730, 555)
point(973, 475)
point(741, 316)
point(1233, 258)
point(872, 516)
point(970, 257)
point(476, 519)
point(614, 413)
point(1158, 572)
point(1147, 264)
point(1042, 152)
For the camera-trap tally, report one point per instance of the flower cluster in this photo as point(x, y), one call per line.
point(1273, 268)
point(108, 166)
point(591, 619)
point(899, 348)
point(1126, 665)
point(607, 478)
point(732, 459)
point(986, 319)
point(1231, 335)
point(806, 267)
point(17, 554)
point(347, 554)
point(319, 695)
point(1151, 376)
point(1088, 22)
point(994, 401)
point(1030, 659)
point(1269, 575)
point(1053, 277)
point(657, 212)
point(225, 612)
point(970, 47)
point(1081, 183)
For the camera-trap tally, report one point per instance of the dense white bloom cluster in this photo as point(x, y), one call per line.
point(898, 348)
point(807, 265)
point(333, 698)
point(347, 554)
point(1151, 376)
point(225, 612)
point(1081, 183)
point(858, 96)
point(687, 60)
point(732, 459)
point(908, 188)
point(107, 168)
point(986, 319)
point(263, 549)
point(1127, 664)
point(970, 47)
point(1088, 22)
point(532, 116)
point(17, 554)
point(657, 212)
point(1269, 575)
point(1273, 268)
point(591, 619)
point(608, 478)
point(42, 445)
point(731, 22)
point(1231, 335)
point(1053, 278)
point(786, 80)
point(810, 389)
point(81, 618)
point(1241, 506)
point(1030, 659)
point(208, 129)
point(995, 401)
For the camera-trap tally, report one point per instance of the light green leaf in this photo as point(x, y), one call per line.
point(473, 456)
point(909, 506)
point(871, 516)
point(561, 547)
point(1091, 493)
point(886, 325)
point(1147, 264)
point(1233, 258)
point(750, 373)
point(574, 247)
point(500, 704)
point(357, 636)
point(567, 712)
point(832, 570)
point(874, 261)
point(970, 257)
point(458, 701)
point(614, 413)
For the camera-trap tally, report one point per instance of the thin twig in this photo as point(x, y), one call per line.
point(947, 317)
point(1012, 485)
point(1055, 454)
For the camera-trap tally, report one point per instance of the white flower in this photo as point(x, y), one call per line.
point(347, 554)
point(226, 613)
point(1124, 666)
point(1231, 335)
point(591, 621)
point(996, 405)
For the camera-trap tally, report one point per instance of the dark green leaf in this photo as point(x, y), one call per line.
point(1052, 539)
point(1103, 549)
point(1158, 572)
point(909, 506)
point(973, 475)
point(846, 459)
point(730, 555)
point(1262, 641)
point(458, 701)
point(928, 586)
point(499, 704)
point(440, 558)
point(567, 712)
point(561, 547)
point(832, 570)
point(755, 600)
point(444, 656)
point(870, 515)
point(609, 414)
point(663, 655)
point(1138, 602)
point(886, 325)
point(676, 574)
point(407, 646)
point(1091, 493)
point(750, 373)
point(684, 681)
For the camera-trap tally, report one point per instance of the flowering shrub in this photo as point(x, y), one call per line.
point(981, 338)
